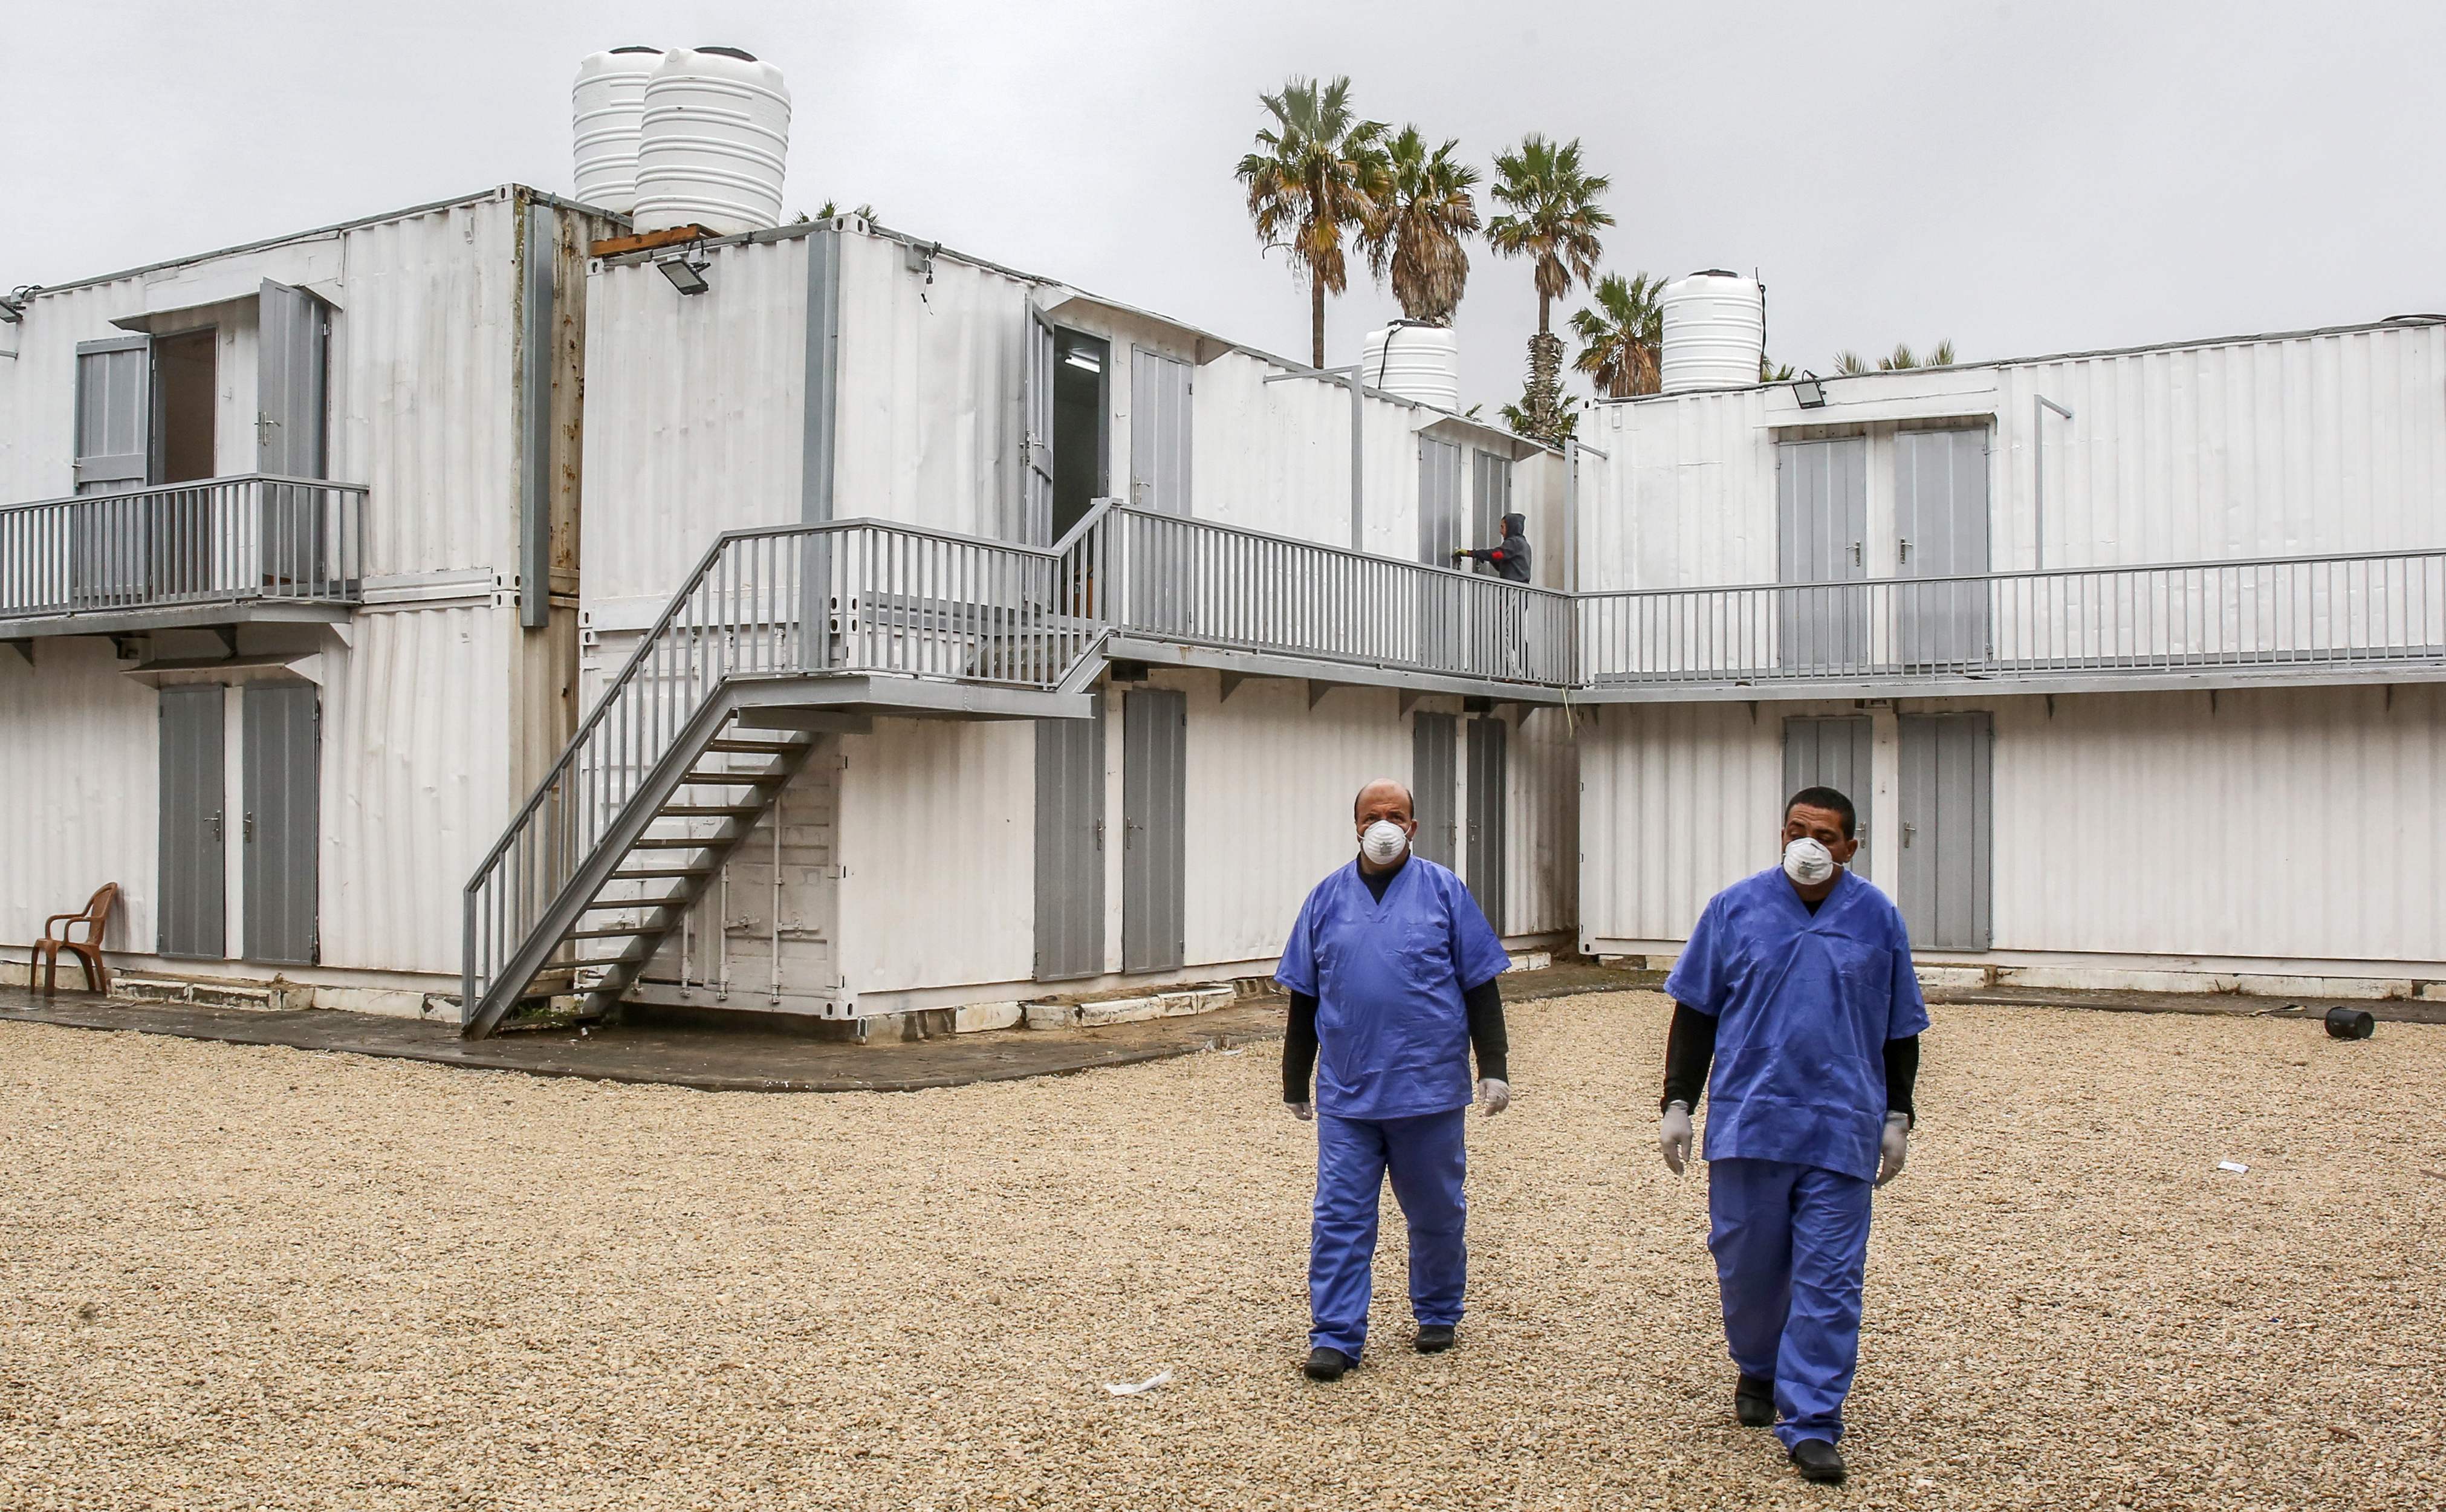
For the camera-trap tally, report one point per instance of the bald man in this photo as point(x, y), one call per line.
point(1391, 969)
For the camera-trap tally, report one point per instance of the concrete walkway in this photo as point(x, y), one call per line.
point(730, 1059)
point(746, 1060)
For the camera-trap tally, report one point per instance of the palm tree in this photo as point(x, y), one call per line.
point(1900, 360)
point(1769, 372)
point(1429, 216)
point(1551, 217)
point(1321, 171)
point(1622, 340)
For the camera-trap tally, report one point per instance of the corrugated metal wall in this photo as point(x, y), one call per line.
point(1543, 833)
point(2285, 824)
point(416, 780)
point(937, 831)
point(2327, 442)
point(2295, 823)
point(79, 758)
point(1271, 782)
point(695, 414)
point(930, 389)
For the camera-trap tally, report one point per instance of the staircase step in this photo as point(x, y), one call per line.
point(757, 747)
point(677, 841)
point(662, 874)
point(763, 779)
point(637, 933)
point(614, 905)
point(709, 811)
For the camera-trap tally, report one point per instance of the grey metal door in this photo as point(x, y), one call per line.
point(1154, 802)
point(1949, 824)
point(1821, 489)
point(289, 442)
point(1161, 390)
point(1941, 530)
point(109, 545)
point(1034, 524)
point(1489, 747)
point(282, 820)
point(1493, 499)
point(1070, 847)
point(1442, 633)
point(189, 915)
point(1435, 741)
point(1833, 753)
point(113, 414)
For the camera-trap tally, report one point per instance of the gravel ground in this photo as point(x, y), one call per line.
point(233, 1277)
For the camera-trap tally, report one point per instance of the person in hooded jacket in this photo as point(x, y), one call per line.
point(1510, 558)
point(1391, 969)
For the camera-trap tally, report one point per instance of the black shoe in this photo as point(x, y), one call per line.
point(1754, 1402)
point(1434, 1338)
point(1817, 1461)
point(1327, 1365)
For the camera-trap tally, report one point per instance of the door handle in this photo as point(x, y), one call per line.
point(217, 824)
point(1909, 829)
point(1856, 558)
point(1906, 552)
point(249, 829)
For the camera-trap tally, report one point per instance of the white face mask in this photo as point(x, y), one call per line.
point(1383, 843)
point(1807, 862)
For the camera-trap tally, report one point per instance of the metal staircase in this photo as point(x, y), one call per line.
point(689, 745)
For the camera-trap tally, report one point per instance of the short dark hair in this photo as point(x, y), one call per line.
point(1826, 798)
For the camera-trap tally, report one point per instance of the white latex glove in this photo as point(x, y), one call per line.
point(1303, 1111)
point(1492, 1096)
point(1673, 1136)
point(1892, 1146)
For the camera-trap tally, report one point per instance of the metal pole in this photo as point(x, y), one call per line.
point(1357, 492)
point(1572, 449)
point(2040, 404)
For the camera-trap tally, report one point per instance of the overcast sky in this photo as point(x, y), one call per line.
point(2020, 176)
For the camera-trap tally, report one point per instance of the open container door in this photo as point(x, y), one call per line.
point(291, 361)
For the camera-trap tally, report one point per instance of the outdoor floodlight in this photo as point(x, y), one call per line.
point(1806, 389)
point(686, 276)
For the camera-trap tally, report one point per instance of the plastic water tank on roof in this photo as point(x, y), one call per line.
point(605, 108)
point(1715, 332)
point(1416, 360)
point(715, 142)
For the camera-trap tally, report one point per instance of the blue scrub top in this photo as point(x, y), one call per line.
point(1392, 1034)
point(1803, 1007)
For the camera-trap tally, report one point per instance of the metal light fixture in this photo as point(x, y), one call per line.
point(1809, 390)
point(686, 276)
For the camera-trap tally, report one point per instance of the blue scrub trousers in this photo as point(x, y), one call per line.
point(1790, 1243)
point(1427, 1159)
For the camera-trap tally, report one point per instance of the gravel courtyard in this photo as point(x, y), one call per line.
point(256, 1277)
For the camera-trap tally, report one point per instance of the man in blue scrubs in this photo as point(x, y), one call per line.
point(1391, 969)
point(1797, 985)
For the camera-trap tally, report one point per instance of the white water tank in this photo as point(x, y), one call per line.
point(715, 141)
point(1416, 360)
point(606, 108)
point(1715, 332)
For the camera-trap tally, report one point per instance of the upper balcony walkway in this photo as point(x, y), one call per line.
point(215, 552)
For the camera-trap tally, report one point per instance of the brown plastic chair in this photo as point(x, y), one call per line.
point(88, 951)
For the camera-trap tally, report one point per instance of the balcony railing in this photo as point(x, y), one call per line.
point(2298, 613)
point(1198, 583)
point(255, 538)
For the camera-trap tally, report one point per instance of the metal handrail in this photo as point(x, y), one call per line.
point(2013, 572)
point(254, 536)
point(856, 596)
point(2181, 619)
